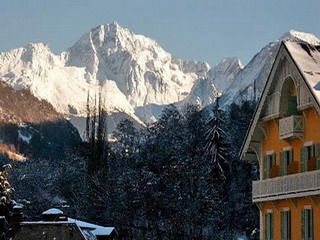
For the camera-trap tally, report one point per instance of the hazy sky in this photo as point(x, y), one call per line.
point(206, 30)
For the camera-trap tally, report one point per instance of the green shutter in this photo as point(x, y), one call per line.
point(285, 225)
point(289, 225)
point(312, 151)
point(265, 159)
point(274, 156)
point(311, 224)
point(281, 163)
point(303, 232)
point(317, 154)
point(282, 227)
point(303, 159)
point(291, 156)
point(267, 229)
point(269, 226)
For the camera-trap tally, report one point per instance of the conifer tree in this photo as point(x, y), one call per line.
point(5, 201)
point(217, 148)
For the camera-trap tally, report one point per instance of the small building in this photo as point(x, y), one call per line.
point(55, 225)
point(284, 137)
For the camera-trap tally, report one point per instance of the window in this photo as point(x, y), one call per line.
point(292, 105)
point(285, 225)
point(307, 224)
point(286, 159)
point(269, 226)
point(307, 153)
point(317, 154)
point(269, 162)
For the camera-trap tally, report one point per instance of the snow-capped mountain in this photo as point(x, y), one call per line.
point(134, 71)
point(138, 78)
point(218, 80)
point(254, 75)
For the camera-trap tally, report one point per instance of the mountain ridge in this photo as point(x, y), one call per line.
point(137, 76)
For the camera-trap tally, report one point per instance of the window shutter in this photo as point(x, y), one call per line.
point(266, 225)
point(303, 232)
point(274, 159)
point(303, 159)
point(282, 163)
point(289, 225)
point(317, 154)
point(265, 160)
point(291, 156)
point(311, 224)
point(312, 151)
point(271, 226)
point(282, 225)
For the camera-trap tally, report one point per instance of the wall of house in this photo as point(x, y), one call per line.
point(273, 143)
point(295, 206)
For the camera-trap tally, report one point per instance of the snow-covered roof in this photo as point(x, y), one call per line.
point(85, 227)
point(97, 229)
point(307, 59)
point(52, 211)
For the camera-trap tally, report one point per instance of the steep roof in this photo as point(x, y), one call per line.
point(306, 57)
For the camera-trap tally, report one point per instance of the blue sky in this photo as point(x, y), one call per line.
point(205, 30)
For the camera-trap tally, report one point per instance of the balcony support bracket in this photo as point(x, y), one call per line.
point(263, 130)
point(294, 202)
point(259, 205)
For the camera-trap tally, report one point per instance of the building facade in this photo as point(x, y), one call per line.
point(284, 136)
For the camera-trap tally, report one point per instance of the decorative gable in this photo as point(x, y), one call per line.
point(286, 83)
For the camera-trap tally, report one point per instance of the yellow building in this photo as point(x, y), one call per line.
point(284, 136)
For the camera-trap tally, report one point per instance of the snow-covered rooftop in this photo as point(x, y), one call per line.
point(98, 230)
point(307, 59)
point(95, 229)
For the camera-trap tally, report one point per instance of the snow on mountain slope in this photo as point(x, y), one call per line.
point(218, 80)
point(133, 70)
point(137, 76)
point(255, 73)
point(142, 70)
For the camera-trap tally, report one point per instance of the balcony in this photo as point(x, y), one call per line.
point(291, 127)
point(290, 186)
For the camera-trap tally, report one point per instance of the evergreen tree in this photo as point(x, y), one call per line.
point(96, 136)
point(5, 202)
point(217, 148)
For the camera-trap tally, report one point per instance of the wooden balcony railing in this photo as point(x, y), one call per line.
point(295, 185)
point(291, 127)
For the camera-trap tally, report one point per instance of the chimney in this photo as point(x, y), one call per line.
point(54, 215)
